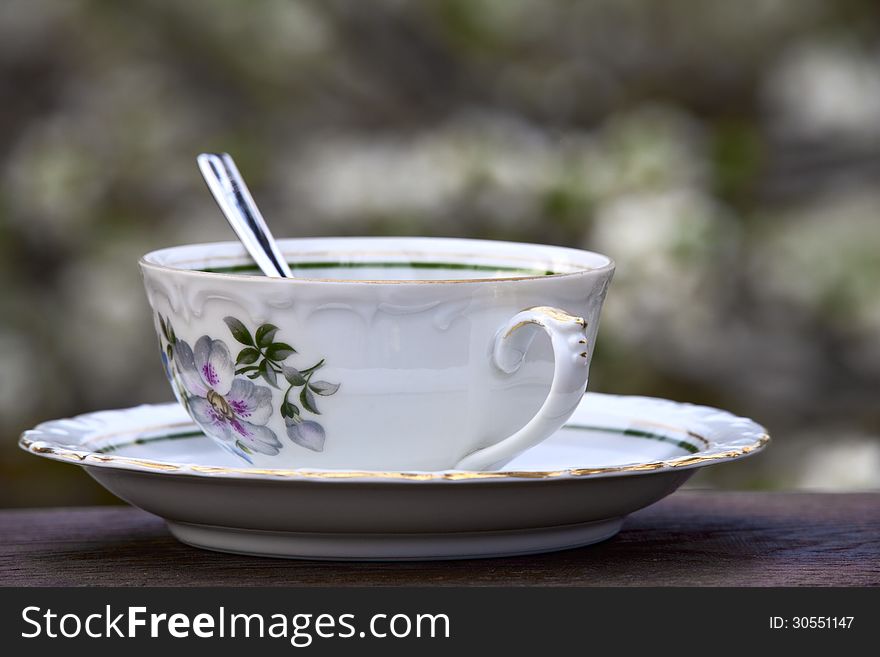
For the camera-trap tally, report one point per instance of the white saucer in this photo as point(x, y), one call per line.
point(615, 456)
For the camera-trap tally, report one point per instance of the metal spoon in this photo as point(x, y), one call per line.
point(235, 201)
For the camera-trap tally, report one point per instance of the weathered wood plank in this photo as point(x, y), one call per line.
point(691, 538)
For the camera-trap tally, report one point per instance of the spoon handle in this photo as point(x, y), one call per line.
point(235, 201)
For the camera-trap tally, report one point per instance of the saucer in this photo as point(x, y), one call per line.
point(616, 455)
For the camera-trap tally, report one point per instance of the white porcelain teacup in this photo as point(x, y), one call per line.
point(383, 353)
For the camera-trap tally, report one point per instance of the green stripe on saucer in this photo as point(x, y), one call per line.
point(633, 433)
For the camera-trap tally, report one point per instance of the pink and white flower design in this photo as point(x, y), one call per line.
point(230, 408)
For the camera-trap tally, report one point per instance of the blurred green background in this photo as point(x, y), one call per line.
point(726, 154)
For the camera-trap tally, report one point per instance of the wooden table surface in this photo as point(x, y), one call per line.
point(695, 538)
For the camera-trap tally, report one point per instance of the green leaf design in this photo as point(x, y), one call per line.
point(268, 373)
point(324, 388)
point(293, 376)
point(244, 448)
point(164, 328)
point(279, 351)
point(308, 401)
point(266, 334)
point(247, 356)
point(167, 331)
point(239, 331)
point(289, 410)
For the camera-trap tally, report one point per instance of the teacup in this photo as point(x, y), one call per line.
point(382, 353)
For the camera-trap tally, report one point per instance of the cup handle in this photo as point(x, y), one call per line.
point(572, 365)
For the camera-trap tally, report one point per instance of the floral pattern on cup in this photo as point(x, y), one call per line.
point(222, 396)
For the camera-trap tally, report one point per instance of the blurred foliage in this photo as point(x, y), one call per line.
point(726, 154)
